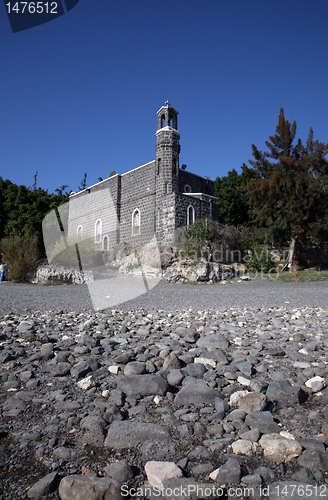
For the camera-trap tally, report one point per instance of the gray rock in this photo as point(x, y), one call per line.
point(282, 390)
point(229, 473)
point(196, 370)
point(121, 471)
point(44, 486)
point(60, 369)
point(129, 434)
point(64, 453)
point(159, 451)
point(214, 340)
point(312, 444)
point(89, 487)
point(268, 475)
point(175, 377)
point(80, 369)
point(244, 367)
point(171, 362)
point(314, 459)
point(146, 385)
point(262, 420)
point(197, 394)
point(135, 368)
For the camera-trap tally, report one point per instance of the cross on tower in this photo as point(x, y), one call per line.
point(167, 103)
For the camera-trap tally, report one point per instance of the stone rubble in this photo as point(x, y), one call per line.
point(94, 404)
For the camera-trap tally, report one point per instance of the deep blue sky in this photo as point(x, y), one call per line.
point(80, 94)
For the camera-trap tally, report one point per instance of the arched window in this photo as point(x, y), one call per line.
point(98, 231)
point(162, 121)
point(105, 243)
point(79, 232)
point(190, 215)
point(136, 219)
point(187, 188)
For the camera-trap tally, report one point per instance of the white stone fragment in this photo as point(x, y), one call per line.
point(214, 474)
point(113, 369)
point(206, 361)
point(243, 447)
point(237, 396)
point(303, 351)
point(315, 383)
point(86, 383)
point(157, 399)
point(243, 380)
point(158, 472)
point(302, 365)
point(287, 435)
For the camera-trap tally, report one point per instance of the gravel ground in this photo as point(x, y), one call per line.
point(258, 293)
point(226, 379)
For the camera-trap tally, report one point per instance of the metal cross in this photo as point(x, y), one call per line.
point(167, 103)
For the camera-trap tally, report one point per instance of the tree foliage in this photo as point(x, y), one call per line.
point(289, 189)
point(23, 209)
point(234, 207)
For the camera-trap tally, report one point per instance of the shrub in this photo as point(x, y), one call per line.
point(20, 252)
point(259, 259)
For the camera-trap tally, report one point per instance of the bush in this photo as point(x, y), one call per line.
point(20, 253)
point(259, 259)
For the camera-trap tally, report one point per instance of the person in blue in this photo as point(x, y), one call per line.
point(2, 272)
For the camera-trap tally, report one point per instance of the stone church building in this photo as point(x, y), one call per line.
point(154, 199)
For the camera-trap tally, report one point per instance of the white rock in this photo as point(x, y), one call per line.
point(315, 383)
point(279, 449)
point(243, 447)
point(237, 396)
point(302, 365)
point(86, 383)
point(157, 472)
point(157, 399)
point(243, 380)
point(214, 474)
point(287, 435)
point(206, 361)
point(113, 369)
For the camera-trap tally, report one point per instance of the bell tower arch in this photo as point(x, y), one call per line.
point(167, 150)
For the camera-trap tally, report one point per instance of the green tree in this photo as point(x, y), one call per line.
point(23, 209)
point(290, 191)
point(234, 207)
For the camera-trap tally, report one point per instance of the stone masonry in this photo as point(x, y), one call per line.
point(154, 199)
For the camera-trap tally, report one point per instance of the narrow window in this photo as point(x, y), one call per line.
point(190, 215)
point(158, 166)
point(174, 166)
point(105, 243)
point(98, 231)
point(79, 232)
point(163, 121)
point(166, 188)
point(136, 222)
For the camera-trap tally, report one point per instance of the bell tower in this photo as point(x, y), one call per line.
point(167, 151)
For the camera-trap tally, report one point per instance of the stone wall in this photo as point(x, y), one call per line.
point(197, 183)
